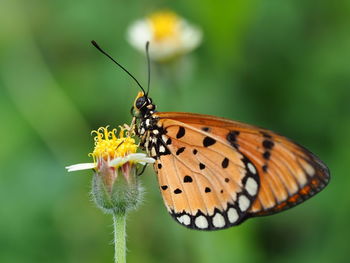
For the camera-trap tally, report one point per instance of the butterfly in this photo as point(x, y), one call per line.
point(214, 173)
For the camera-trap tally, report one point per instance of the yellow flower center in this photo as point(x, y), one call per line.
point(164, 25)
point(108, 146)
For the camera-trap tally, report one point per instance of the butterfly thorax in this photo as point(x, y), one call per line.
point(152, 136)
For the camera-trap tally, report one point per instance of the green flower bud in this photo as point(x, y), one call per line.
point(116, 190)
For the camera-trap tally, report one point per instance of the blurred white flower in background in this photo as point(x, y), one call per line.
point(169, 35)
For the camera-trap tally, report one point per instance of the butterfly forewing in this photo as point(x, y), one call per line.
point(218, 172)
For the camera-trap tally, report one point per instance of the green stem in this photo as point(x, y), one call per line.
point(119, 222)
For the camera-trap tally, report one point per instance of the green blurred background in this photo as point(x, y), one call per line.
point(283, 65)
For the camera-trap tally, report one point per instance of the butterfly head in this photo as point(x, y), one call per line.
point(143, 106)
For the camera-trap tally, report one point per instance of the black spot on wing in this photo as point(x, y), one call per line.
point(268, 144)
point(177, 191)
point(225, 163)
point(208, 141)
point(164, 187)
point(180, 133)
point(180, 150)
point(266, 155)
point(264, 167)
point(188, 179)
point(201, 166)
point(207, 190)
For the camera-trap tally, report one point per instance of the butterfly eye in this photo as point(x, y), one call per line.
point(140, 102)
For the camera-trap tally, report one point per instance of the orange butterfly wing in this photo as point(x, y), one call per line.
point(219, 172)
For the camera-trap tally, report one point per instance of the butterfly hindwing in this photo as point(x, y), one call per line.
point(206, 184)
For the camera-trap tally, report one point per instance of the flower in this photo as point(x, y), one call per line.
point(115, 151)
point(115, 187)
point(169, 35)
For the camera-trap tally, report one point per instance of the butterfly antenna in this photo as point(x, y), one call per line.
point(127, 72)
point(149, 67)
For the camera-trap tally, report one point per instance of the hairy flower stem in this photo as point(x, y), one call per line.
point(119, 222)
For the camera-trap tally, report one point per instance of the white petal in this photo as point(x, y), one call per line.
point(140, 158)
point(80, 166)
point(191, 37)
point(134, 157)
point(117, 161)
point(139, 33)
point(146, 160)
